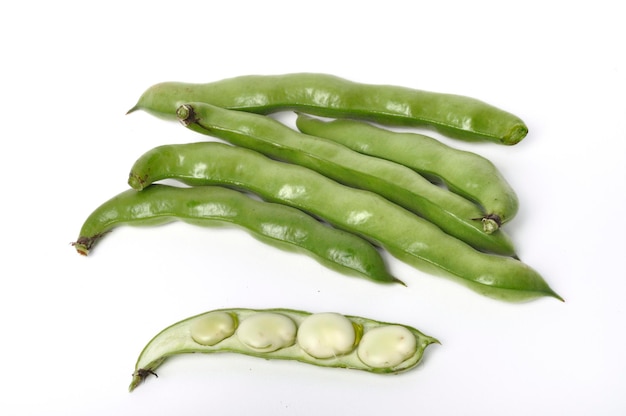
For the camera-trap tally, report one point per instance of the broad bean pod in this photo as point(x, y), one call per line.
point(276, 224)
point(325, 339)
point(452, 213)
point(465, 173)
point(330, 96)
point(403, 234)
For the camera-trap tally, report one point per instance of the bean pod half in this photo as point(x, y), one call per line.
point(323, 339)
point(326, 95)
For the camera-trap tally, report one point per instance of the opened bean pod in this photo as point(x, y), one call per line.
point(275, 224)
point(402, 233)
point(326, 95)
point(324, 339)
point(452, 213)
point(465, 173)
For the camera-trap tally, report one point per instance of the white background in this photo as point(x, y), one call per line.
point(72, 327)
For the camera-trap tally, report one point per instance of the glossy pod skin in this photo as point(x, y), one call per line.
point(452, 213)
point(324, 339)
point(330, 96)
point(275, 224)
point(465, 173)
point(402, 233)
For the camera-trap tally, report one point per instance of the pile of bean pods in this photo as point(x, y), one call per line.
point(341, 186)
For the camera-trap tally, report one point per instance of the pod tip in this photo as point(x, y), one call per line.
point(396, 280)
point(557, 296)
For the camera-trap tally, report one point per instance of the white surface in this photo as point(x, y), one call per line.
point(73, 327)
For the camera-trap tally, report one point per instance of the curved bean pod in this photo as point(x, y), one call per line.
point(286, 334)
point(326, 95)
point(452, 213)
point(465, 173)
point(275, 224)
point(402, 233)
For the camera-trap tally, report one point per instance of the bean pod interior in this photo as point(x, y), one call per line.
point(326, 339)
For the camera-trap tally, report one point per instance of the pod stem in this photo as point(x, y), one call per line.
point(139, 376)
point(491, 223)
point(83, 244)
point(186, 115)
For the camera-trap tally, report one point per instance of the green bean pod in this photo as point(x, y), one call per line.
point(402, 233)
point(324, 339)
point(330, 96)
point(276, 224)
point(452, 213)
point(465, 173)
